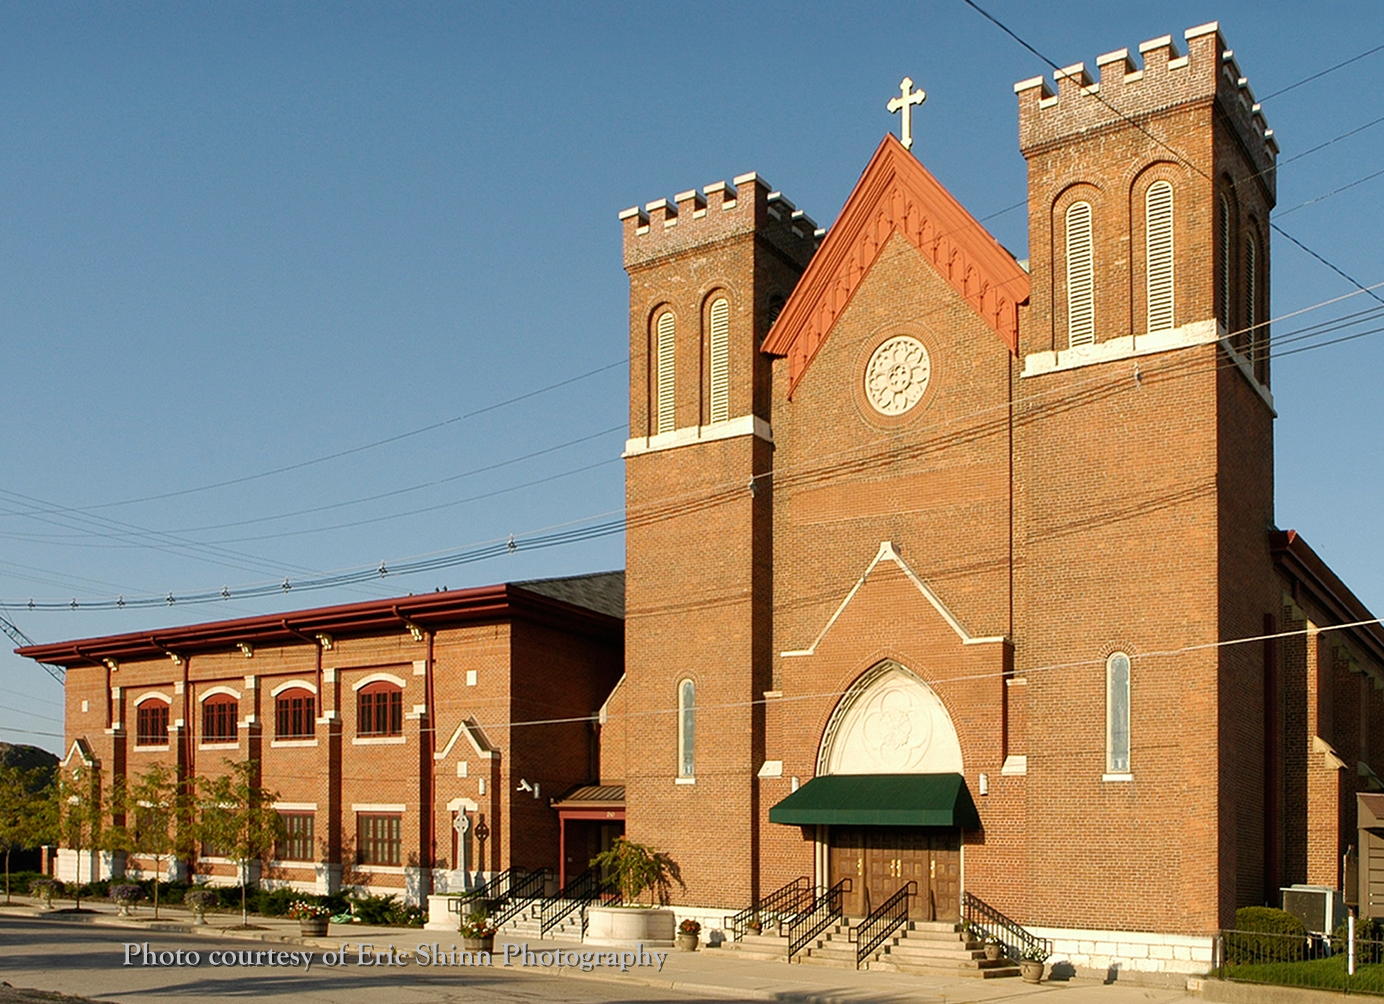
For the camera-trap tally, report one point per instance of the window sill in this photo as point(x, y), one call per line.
point(289, 863)
point(1125, 776)
point(291, 743)
point(379, 740)
point(684, 780)
point(152, 749)
point(219, 746)
point(370, 869)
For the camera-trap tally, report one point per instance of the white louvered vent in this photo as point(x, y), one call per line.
point(1158, 229)
point(665, 373)
point(720, 361)
point(1223, 263)
point(1081, 302)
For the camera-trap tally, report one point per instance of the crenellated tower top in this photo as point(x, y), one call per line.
point(719, 211)
point(1207, 72)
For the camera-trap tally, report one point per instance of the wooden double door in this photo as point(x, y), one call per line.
point(880, 859)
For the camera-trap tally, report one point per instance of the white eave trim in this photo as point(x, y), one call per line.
point(745, 425)
point(887, 552)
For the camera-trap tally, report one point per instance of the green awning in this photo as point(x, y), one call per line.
point(880, 800)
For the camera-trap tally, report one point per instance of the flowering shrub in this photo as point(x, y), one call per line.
point(126, 893)
point(689, 926)
point(301, 909)
point(478, 925)
point(201, 899)
point(47, 888)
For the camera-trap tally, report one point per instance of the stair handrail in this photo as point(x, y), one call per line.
point(521, 894)
point(882, 922)
point(783, 903)
point(575, 895)
point(824, 911)
point(979, 916)
point(498, 886)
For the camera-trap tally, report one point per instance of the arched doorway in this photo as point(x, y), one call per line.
point(892, 755)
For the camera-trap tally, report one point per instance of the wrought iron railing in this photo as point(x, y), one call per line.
point(979, 917)
point(522, 891)
point(575, 895)
point(881, 924)
point(824, 911)
point(491, 895)
point(782, 904)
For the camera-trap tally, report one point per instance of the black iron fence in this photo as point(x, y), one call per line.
point(1301, 960)
point(781, 905)
point(881, 924)
point(576, 895)
point(521, 892)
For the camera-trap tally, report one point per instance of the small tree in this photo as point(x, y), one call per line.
point(155, 809)
point(26, 802)
point(237, 818)
point(635, 868)
point(79, 821)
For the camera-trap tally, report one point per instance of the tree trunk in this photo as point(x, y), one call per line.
point(244, 910)
point(7, 876)
point(158, 870)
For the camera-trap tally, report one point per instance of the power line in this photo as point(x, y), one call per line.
point(573, 531)
point(1329, 69)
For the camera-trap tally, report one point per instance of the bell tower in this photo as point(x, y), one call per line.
point(707, 271)
point(1144, 458)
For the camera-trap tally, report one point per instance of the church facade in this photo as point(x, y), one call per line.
point(962, 570)
point(943, 568)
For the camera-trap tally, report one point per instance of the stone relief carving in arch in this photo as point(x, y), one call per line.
point(890, 722)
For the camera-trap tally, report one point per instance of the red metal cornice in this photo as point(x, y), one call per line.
point(428, 609)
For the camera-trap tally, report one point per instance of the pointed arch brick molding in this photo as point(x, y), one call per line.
point(896, 194)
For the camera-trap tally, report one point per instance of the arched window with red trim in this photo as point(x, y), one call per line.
point(151, 723)
point(295, 714)
point(220, 716)
point(380, 710)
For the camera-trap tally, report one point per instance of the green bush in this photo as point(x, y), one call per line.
point(20, 881)
point(1263, 934)
point(375, 909)
point(1369, 941)
point(406, 916)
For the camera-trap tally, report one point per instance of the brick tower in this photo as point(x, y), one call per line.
point(708, 271)
point(1144, 486)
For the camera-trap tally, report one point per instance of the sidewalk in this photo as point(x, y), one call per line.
point(709, 972)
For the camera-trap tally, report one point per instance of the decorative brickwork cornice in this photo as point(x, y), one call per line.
point(896, 194)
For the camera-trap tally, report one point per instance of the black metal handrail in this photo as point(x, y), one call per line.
point(982, 918)
point(783, 903)
point(521, 892)
point(825, 911)
point(881, 924)
point(575, 895)
point(496, 890)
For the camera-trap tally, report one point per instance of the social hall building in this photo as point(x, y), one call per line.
point(946, 571)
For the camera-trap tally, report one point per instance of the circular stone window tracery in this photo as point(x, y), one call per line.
point(897, 374)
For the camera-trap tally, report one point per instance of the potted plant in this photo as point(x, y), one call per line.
point(1031, 962)
point(754, 925)
point(688, 932)
point(635, 869)
point(994, 951)
point(478, 932)
point(126, 895)
point(46, 889)
point(200, 901)
point(311, 917)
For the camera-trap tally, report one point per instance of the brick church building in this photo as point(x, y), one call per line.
point(942, 566)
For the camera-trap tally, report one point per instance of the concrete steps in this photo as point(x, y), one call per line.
point(528, 925)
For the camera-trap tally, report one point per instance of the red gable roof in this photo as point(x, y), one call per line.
point(896, 193)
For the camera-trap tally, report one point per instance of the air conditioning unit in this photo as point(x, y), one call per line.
point(1319, 908)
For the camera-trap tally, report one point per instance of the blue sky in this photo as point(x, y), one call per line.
point(242, 237)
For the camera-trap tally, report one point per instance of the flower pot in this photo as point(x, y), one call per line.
point(199, 916)
point(993, 951)
point(312, 927)
point(486, 944)
point(1031, 970)
point(687, 942)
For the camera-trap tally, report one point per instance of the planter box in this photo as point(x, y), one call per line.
point(627, 925)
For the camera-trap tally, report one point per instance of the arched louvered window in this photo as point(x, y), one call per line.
point(1081, 300)
point(720, 360)
point(664, 363)
point(687, 728)
point(1117, 714)
point(1223, 262)
point(1158, 249)
point(1251, 295)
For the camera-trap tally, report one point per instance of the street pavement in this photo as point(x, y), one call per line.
point(102, 956)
